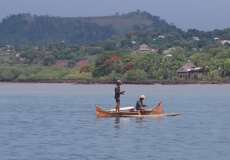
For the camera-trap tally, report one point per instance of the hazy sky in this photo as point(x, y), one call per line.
point(196, 14)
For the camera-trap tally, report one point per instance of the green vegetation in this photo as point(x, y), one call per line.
point(40, 48)
point(42, 30)
point(25, 73)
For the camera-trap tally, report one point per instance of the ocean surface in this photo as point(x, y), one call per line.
point(58, 122)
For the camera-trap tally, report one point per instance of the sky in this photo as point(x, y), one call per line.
point(204, 15)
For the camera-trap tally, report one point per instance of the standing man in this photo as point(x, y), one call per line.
point(117, 95)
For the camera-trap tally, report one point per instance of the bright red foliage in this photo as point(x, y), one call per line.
point(109, 63)
point(128, 66)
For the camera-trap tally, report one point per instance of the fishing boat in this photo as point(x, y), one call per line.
point(131, 112)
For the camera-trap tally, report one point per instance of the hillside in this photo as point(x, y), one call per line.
point(40, 30)
point(132, 21)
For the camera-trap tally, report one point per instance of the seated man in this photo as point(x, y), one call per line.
point(139, 104)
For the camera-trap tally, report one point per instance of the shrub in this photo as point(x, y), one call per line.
point(137, 75)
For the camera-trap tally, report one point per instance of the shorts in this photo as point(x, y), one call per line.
point(117, 99)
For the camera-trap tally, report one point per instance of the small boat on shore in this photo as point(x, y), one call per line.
point(131, 112)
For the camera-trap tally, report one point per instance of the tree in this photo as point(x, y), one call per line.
point(226, 67)
point(113, 63)
point(71, 63)
point(48, 61)
point(128, 66)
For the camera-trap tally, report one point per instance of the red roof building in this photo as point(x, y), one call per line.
point(225, 41)
point(144, 47)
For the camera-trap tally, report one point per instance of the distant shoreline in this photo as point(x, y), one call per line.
point(147, 82)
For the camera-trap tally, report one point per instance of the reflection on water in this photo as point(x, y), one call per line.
point(117, 120)
point(140, 120)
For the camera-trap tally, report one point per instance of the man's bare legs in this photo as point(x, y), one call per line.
point(118, 107)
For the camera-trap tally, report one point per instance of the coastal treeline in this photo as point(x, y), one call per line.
point(111, 65)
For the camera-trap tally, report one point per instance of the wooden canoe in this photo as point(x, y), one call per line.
point(154, 112)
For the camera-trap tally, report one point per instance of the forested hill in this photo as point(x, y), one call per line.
point(39, 30)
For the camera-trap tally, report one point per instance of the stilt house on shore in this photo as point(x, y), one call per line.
point(189, 70)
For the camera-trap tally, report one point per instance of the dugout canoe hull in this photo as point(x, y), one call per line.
point(154, 112)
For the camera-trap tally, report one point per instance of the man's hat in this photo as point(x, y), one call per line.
point(142, 96)
point(119, 81)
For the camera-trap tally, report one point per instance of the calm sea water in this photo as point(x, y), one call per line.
point(58, 122)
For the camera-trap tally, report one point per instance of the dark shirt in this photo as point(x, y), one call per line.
point(139, 105)
point(117, 92)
